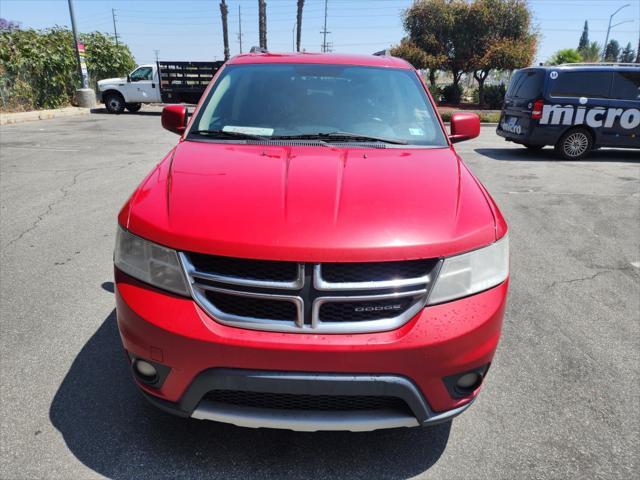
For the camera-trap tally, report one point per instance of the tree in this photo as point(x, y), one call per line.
point(224, 12)
point(567, 55)
point(8, 25)
point(591, 53)
point(627, 55)
point(612, 51)
point(299, 24)
point(638, 53)
point(262, 23)
point(418, 58)
point(584, 38)
point(503, 38)
point(439, 29)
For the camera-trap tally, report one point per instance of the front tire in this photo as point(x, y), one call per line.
point(114, 103)
point(575, 144)
point(133, 107)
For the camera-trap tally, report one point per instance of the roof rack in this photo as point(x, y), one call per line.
point(600, 64)
point(255, 49)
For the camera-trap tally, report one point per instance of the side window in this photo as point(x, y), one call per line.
point(626, 86)
point(142, 73)
point(582, 84)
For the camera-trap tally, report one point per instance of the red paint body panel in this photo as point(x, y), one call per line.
point(312, 203)
point(441, 340)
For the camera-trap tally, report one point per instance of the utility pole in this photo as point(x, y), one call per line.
point(156, 52)
point(324, 31)
point(293, 37)
point(606, 42)
point(299, 24)
point(84, 80)
point(240, 27)
point(262, 23)
point(85, 96)
point(115, 30)
point(224, 11)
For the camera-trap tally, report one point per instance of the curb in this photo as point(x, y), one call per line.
point(21, 117)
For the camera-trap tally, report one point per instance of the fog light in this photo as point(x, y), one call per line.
point(145, 369)
point(469, 381)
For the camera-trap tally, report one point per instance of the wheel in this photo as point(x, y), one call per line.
point(133, 107)
point(534, 148)
point(575, 144)
point(114, 103)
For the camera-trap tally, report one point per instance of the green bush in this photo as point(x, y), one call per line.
point(452, 93)
point(494, 96)
point(436, 93)
point(38, 68)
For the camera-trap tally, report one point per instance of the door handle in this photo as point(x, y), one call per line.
point(153, 85)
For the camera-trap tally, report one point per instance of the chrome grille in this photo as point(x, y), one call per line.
point(309, 298)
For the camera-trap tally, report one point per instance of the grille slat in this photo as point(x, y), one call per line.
point(375, 272)
point(338, 297)
point(244, 268)
point(304, 402)
point(253, 307)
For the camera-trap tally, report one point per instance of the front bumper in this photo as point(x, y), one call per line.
point(440, 341)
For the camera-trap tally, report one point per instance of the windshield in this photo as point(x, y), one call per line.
point(332, 102)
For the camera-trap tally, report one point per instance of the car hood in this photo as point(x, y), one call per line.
point(112, 80)
point(311, 203)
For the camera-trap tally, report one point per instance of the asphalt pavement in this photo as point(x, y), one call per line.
point(562, 399)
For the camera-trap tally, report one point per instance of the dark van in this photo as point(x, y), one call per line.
point(574, 107)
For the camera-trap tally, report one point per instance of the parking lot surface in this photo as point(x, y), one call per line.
point(562, 398)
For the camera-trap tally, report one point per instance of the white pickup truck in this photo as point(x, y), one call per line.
point(162, 82)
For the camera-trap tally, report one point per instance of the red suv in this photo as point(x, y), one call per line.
point(313, 254)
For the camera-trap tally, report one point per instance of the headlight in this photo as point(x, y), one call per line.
point(472, 272)
point(153, 264)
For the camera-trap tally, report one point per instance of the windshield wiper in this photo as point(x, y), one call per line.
point(226, 134)
point(355, 137)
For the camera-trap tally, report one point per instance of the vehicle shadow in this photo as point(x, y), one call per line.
point(111, 429)
point(151, 113)
point(548, 155)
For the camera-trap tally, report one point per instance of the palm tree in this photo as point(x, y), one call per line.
point(299, 24)
point(591, 53)
point(224, 11)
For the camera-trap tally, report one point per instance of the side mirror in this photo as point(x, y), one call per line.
point(174, 118)
point(464, 126)
point(128, 78)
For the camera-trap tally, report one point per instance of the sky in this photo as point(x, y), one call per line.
point(191, 29)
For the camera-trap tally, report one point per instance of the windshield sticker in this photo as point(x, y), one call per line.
point(416, 132)
point(595, 117)
point(265, 132)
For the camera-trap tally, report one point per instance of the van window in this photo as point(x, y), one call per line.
point(526, 84)
point(582, 84)
point(626, 86)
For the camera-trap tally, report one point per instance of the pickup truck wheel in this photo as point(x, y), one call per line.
point(133, 107)
point(575, 144)
point(114, 103)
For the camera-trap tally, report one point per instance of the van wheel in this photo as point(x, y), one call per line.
point(114, 103)
point(575, 144)
point(534, 148)
point(133, 107)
